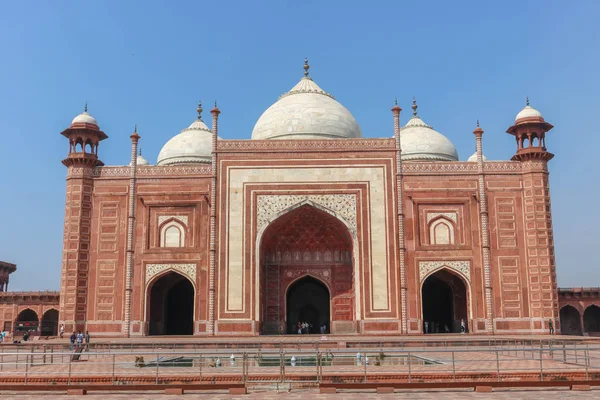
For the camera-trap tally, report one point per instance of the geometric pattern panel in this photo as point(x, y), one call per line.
point(188, 270)
point(343, 205)
point(462, 267)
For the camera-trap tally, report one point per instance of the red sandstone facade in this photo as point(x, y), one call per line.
point(309, 223)
point(311, 235)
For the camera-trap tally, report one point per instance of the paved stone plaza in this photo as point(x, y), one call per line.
point(314, 394)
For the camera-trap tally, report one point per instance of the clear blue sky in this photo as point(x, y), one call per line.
point(148, 62)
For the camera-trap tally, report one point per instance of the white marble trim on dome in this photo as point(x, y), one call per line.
point(306, 85)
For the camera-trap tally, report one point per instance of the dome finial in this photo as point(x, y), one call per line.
point(306, 67)
point(135, 128)
point(215, 103)
point(199, 109)
point(478, 122)
point(414, 107)
point(140, 150)
point(527, 100)
point(396, 101)
point(85, 108)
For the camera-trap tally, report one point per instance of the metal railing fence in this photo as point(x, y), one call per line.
point(300, 366)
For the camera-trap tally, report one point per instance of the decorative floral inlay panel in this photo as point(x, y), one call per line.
point(257, 145)
point(463, 267)
point(450, 215)
point(188, 270)
point(340, 205)
point(409, 168)
point(181, 218)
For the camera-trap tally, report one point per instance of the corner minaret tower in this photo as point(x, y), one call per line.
point(84, 136)
point(530, 130)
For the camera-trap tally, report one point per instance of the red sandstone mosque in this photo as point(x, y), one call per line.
point(307, 222)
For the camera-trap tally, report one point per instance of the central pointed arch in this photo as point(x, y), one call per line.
point(305, 240)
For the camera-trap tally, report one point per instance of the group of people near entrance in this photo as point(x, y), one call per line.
point(307, 328)
point(78, 340)
point(436, 327)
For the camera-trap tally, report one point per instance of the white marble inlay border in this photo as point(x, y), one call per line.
point(450, 215)
point(181, 218)
point(270, 206)
point(188, 270)
point(462, 267)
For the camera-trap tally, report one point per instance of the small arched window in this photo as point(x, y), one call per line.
point(172, 234)
point(441, 231)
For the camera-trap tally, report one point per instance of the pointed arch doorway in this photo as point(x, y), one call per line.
point(444, 303)
point(307, 301)
point(305, 251)
point(171, 305)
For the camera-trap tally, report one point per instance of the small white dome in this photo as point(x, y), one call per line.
point(306, 112)
point(421, 143)
point(192, 145)
point(528, 112)
point(84, 118)
point(473, 157)
point(141, 160)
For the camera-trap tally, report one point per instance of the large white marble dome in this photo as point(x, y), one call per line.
point(420, 142)
point(306, 112)
point(192, 145)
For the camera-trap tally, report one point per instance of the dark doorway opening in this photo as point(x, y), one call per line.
point(444, 299)
point(591, 319)
point(171, 306)
point(570, 321)
point(308, 301)
point(27, 320)
point(50, 323)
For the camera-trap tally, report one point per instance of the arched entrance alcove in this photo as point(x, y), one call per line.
point(307, 301)
point(570, 321)
point(171, 305)
point(444, 302)
point(306, 241)
point(591, 319)
point(49, 323)
point(27, 320)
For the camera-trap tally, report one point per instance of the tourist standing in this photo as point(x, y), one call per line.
point(462, 326)
point(79, 339)
point(62, 330)
point(87, 341)
point(551, 327)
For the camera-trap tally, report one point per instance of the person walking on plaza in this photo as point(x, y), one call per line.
point(87, 341)
point(79, 339)
point(462, 326)
point(551, 327)
point(72, 338)
point(62, 330)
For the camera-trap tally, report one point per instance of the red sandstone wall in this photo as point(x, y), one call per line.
point(12, 303)
point(157, 196)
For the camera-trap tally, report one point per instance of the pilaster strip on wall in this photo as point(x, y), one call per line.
point(485, 238)
point(213, 222)
point(401, 245)
point(130, 228)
